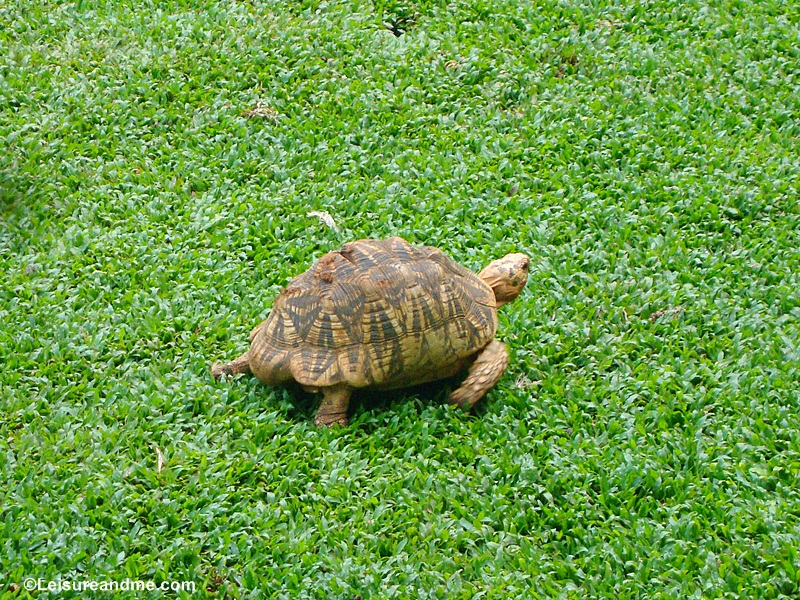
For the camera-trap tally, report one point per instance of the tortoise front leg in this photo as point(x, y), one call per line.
point(333, 409)
point(483, 374)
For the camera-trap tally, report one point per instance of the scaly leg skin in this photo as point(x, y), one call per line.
point(483, 374)
point(333, 409)
point(236, 366)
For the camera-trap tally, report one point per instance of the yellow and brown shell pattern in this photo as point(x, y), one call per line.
point(377, 313)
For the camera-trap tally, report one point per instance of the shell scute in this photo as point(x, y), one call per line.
point(303, 310)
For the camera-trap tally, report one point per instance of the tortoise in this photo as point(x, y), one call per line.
point(383, 314)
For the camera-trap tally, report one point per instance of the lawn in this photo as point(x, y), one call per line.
point(159, 162)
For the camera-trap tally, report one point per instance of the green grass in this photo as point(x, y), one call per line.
point(645, 441)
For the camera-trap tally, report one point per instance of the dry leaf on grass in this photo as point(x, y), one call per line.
point(262, 110)
point(159, 460)
point(325, 217)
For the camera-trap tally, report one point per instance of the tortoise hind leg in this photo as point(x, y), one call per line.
point(483, 374)
point(236, 366)
point(333, 409)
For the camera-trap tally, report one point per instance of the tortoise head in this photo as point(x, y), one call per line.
point(506, 276)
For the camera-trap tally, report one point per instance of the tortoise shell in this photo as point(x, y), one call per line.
point(377, 313)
